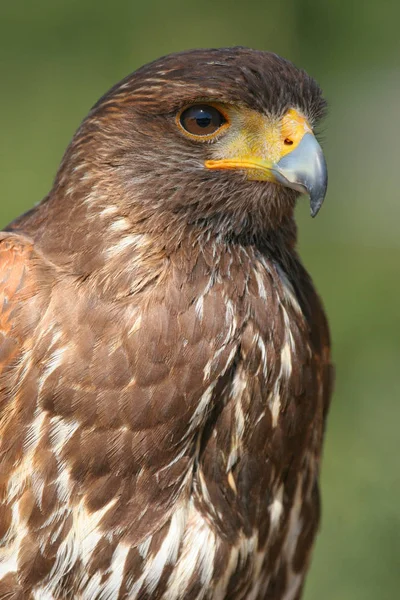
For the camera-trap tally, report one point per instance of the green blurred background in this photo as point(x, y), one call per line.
point(57, 57)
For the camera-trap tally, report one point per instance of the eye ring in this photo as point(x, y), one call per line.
point(201, 121)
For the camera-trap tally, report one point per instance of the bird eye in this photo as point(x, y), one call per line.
point(201, 120)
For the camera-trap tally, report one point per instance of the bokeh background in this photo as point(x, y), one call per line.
point(57, 57)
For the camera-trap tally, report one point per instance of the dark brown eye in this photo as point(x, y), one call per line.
point(201, 119)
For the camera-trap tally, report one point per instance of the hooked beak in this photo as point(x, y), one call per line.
point(297, 160)
point(305, 170)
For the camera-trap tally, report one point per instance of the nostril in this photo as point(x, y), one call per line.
point(288, 142)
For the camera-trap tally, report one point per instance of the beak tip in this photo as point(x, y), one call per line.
point(315, 205)
point(314, 208)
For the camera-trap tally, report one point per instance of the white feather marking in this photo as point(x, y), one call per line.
point(288, 289)
point(79, 167)
point(143, 548)
point(42, 594)
point(238, 387)
point(17, 533)
point(201, 409)
point(222, 584)
point(197, 555)
point(108, 211)
point(136, 324)
point(8, 561)
point(286, 360)
point(121, 224)
point(61, 432)
point(285, 371)
point(90, 586)
point(70, 190)
point(63, 483)
point(123, 243)
point(293, 585)
point(240, 419)
point(215, 358)
point(230, 315)
point(33, 435)
point(275, 406)
point(257, 578)
point(204, 491)
point(19, 478)
point(114, 582)
point(198, 307)
point(57, 531)
point(295, 524)
point(261, 287)
point(174, 460)
point(261, 346)
point(79, 542)
point(53, 362)
point(168, 553)
point(276, 509)
point(231, 482)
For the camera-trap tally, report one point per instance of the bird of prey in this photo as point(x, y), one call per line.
point(165, 362)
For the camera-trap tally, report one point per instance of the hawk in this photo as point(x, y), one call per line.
point(165, 362)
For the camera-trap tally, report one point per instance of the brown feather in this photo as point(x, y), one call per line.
point(165, 366)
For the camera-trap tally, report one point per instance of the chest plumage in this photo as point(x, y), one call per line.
point(172, 448)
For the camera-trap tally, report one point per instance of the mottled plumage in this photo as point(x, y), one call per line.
point(165, 369)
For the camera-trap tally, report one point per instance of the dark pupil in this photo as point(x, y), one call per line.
point(203, 119)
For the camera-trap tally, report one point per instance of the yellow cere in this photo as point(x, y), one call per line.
point(294, 127)
point(256, 142)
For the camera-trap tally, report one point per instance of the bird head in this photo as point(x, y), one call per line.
point(220, 138)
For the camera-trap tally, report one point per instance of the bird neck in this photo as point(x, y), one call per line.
point(123, 249)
